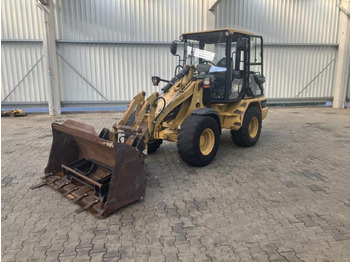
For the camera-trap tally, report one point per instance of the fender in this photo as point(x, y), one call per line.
point(208, 112)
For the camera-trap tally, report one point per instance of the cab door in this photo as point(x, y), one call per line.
point(256, 69)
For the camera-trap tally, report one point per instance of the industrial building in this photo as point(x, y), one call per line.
point(62, 55)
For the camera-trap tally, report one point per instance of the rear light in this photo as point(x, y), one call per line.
point(206, 82)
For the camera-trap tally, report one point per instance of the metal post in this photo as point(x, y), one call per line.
point(50, 62)
point(209, 18)
point(210, 14)
point(342, 56)
point(347, 92)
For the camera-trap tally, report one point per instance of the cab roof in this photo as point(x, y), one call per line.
point(214, 36)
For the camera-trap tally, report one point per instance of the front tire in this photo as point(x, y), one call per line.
point(248, 135)
point(198, 140)
point(153, 145)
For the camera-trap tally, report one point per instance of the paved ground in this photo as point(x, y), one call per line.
point(286, 199)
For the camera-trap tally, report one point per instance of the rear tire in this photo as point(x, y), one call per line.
point(249, 133)
point(153, 145)
point(198, 140)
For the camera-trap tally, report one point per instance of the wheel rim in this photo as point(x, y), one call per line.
point(253, 127)
point(207, 141)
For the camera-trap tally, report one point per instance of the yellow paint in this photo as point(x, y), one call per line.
point(253, 127)
point(264, 112)
point(168, 134)
point(207, 141)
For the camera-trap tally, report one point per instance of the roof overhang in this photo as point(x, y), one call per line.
point(213, 36)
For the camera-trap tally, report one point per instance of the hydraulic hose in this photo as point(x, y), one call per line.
point(176, 78)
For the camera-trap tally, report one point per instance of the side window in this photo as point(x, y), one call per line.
point(256, 67)
point(255, 55)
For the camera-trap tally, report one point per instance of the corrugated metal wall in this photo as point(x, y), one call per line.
point(287, 21)
point(300, 42)
point(113, 46)
point(119, 44)
point(127, 20)
point(108, 50)
point(118, 72)
point(21, 21)
point(16, 61)
point(296, 71)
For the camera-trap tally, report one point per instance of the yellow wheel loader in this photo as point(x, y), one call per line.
point(218, 84)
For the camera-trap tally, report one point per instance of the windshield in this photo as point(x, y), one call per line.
point(209, 50)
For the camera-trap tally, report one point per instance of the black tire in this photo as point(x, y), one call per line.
point(242, 137)
point(189, 140)
point(153, 145)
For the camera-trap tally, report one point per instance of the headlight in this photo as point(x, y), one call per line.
point(206, 82)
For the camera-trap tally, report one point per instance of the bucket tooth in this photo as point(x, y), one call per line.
point(70, 189)
point(52, 179)
point(38, 185)
point(82, 209)
point(63, 184)
point(80, 197)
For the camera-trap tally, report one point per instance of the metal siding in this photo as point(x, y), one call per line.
point(290, 69)
point(291, 27)
point(20, 19)
point(287, 21)
point(17, 59)
point(348, 79)
point(127, 20)
point(119, 72)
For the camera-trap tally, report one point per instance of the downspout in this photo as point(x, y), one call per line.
point(347, 89)
point(348, 65)
point(342, 60)
point(50, 90)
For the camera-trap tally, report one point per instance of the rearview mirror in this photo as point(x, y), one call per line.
point(173, 48)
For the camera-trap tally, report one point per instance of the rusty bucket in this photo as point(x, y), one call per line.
point(96, 173)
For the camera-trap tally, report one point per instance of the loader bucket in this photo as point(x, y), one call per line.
point(98, 174)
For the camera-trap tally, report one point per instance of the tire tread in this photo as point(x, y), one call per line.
point(241, 136)
point(188, 133)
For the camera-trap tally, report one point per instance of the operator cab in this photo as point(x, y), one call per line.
point(229, 61)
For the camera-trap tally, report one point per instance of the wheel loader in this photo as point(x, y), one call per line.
point(217, 84)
